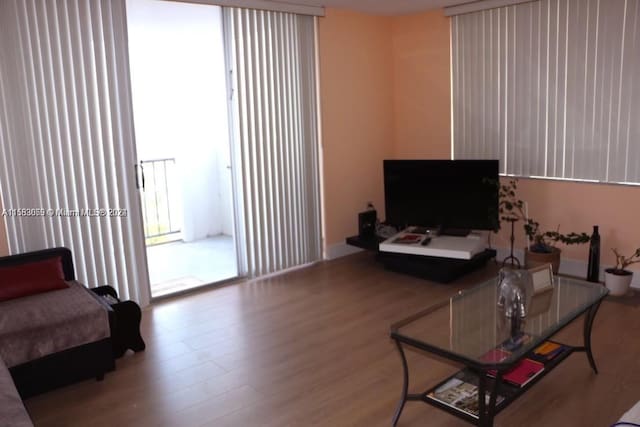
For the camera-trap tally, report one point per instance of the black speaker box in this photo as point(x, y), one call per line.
point(367, 223)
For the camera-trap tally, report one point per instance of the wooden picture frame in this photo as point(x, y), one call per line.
point(542, 278)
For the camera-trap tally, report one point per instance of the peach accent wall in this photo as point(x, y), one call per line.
point(356, 102)
point(381, 96)
point(422, 96)
point(578, 207)
point(372, 68)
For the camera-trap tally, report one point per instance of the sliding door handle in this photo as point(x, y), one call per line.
point(138, 176)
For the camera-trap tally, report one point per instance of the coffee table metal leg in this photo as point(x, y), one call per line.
point(482, 387)
point(487, 410)
point(405, 384)
point(491, 409)
point(588, 324)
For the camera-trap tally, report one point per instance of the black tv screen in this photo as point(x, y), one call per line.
point(448, 194)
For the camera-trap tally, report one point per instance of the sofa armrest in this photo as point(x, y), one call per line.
point(106, 290)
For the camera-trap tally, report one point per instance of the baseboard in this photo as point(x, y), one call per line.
point(571, 267)
point(339, 250)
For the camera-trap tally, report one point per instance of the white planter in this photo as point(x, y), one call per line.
point(618, 284)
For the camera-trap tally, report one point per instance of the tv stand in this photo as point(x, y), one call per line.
point(437, 269)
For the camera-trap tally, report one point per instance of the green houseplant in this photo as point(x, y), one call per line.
point(618, 278)
point(542, 246)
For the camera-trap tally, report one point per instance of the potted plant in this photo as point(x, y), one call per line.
point(618, 278)
point(542, 247)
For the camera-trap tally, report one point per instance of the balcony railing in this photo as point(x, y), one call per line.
point(160, 200)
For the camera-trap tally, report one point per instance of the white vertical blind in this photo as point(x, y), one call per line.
point(551, 88)
point(272, 59)
point(66, 138)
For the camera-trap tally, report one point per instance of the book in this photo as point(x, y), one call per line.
point(546, 348)
point(408, 238)
point(547, 351)
point(523, 373)
point(461, 395)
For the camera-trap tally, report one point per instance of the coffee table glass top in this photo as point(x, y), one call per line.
point(469, 325)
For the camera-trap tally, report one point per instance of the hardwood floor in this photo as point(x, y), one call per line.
point(312, 348)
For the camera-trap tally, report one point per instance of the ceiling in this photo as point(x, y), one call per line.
point(380, 7)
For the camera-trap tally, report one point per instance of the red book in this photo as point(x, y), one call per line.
point(409, 238)
point(525, 371)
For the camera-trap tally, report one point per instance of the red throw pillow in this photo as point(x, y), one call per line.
point(31, 278)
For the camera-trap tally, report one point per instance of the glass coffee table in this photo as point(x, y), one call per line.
point(500, 362)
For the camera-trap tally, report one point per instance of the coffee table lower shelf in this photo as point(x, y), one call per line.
point(506, 392)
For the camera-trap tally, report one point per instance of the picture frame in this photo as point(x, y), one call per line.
point(542, 278)
point(540, 302)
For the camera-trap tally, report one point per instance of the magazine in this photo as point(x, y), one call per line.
point(408, 238)
point(461, 395)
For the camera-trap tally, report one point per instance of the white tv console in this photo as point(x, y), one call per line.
point(410, 242)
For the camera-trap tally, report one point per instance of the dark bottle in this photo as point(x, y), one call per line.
point(593, 270)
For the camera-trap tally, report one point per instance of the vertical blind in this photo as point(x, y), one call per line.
point(272, 60)
point(66, 138)
point(551, 88)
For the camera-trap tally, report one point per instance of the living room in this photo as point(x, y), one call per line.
point(311, 346)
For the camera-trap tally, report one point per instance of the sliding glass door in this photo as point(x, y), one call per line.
point(182, 136)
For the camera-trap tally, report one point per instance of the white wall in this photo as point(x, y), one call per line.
point(180, 105)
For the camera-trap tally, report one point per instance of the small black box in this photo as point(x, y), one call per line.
point(367, 223)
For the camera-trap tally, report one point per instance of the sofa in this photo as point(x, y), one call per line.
point(12, 411)
point(53, 330)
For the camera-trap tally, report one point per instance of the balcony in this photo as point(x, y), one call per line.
point(177, 265)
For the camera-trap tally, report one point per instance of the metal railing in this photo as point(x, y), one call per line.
point(159, 200)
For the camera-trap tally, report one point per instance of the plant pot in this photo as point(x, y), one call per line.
point(618, 283)
point(534, 259)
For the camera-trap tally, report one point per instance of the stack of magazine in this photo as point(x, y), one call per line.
point(461, 392)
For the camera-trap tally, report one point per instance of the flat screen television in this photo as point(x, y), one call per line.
point(454, 196)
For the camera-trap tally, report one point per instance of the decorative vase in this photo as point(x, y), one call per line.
point(534, 259)
point(593, 268)
point(618, 284)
